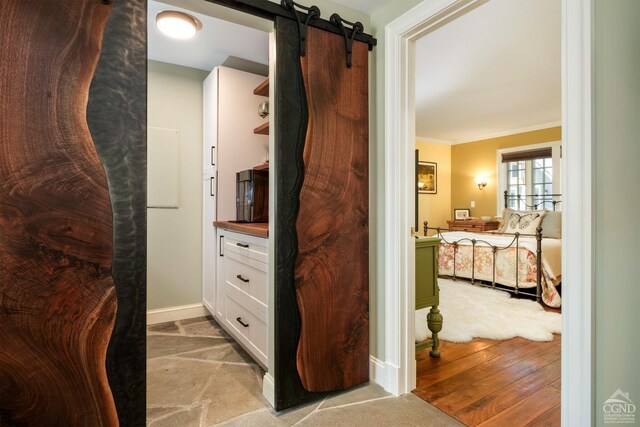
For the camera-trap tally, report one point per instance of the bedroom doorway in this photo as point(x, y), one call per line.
point(488, 144)
point(403, 38)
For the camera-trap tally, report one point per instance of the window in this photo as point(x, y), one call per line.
point(542, 180)
point(530, 175)
point(517, 184)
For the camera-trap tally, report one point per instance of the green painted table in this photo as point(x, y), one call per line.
point(427, 291)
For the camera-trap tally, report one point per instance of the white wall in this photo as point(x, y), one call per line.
point(617, 201)
point(174, 236)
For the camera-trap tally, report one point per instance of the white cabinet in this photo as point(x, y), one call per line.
point(217, 288)
point(242, 290)
point(209, 189)
point(229, 145)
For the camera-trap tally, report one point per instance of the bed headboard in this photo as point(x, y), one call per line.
point(548, 200)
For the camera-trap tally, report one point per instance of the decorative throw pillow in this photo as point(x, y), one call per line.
point(506, 213)
point(552, 225)
point(524, 222)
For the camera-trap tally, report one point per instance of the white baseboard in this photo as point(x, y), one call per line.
point(171, 314)
point(378, 372)
point(268, 389)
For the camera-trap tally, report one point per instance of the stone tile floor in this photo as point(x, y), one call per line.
point(198, 376)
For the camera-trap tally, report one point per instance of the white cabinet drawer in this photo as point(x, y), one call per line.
point(251, 279)
point(248, 327)
point(253, 249)
point(252, 305)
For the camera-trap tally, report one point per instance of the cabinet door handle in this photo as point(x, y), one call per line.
point(213, 163)
point(211, 186)
point(239, 276)
point(242, 245)
point(239, 319)
point(221, 245)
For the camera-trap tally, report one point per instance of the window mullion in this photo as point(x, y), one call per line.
point(529, 181)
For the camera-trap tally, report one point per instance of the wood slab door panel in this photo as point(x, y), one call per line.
point(332, 268)
point(57, 296)
point(321, 303)
point(72, 212)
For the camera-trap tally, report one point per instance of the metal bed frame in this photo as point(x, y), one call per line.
point(547, 199)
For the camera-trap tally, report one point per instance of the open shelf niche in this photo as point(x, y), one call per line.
point(262, 90)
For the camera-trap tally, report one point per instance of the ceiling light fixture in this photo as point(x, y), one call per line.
point(177, 25)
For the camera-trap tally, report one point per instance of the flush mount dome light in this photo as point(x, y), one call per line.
point(177, 25)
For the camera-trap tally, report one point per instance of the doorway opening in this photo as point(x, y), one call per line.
point(488, 126)
point(402, 36)
point(208, 121)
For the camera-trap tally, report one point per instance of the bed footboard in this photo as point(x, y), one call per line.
point(473, 243)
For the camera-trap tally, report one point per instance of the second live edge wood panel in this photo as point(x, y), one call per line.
point(57, 294)
point(332, 268)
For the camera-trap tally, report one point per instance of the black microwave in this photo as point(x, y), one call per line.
point(252, 196)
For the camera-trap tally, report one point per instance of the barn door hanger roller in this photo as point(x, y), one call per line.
point(313, 12)
point(356, 27)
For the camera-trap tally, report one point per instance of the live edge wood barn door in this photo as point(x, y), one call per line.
point(72, 212)
point(322, 217)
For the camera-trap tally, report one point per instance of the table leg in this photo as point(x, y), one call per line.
point(434, 323)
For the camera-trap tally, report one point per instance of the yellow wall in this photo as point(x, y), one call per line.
point(478, 158)
point(436, 208)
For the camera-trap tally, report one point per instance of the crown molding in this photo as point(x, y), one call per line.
point(512, 132)
point(433, 140)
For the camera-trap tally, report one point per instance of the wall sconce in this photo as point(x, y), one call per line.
point(482, 182)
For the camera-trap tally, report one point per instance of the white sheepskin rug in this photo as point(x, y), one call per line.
point(470, 311)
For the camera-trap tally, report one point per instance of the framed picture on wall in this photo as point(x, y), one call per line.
point(427, 178)
point(461, 214)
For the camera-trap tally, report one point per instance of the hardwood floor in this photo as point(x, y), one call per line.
point(494, 383)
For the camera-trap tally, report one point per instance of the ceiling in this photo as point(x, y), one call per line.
point(365, 6)
point(490, 72)
point(216, 41)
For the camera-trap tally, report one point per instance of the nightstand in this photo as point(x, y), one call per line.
point(473, 225)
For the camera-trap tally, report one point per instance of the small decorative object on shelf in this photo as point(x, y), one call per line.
point(263, 109)
point(461, 214)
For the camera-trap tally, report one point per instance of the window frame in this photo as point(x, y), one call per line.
point(501, 182)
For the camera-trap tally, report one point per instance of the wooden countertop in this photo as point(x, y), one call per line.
point(258, 229)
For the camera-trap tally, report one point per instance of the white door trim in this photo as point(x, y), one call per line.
point(577, 346)
point(577, 204)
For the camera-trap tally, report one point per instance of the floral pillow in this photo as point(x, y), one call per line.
point(524, 222)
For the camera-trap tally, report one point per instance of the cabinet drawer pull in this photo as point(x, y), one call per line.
point(242, 245)
point(239, 319)
point(242, 278)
